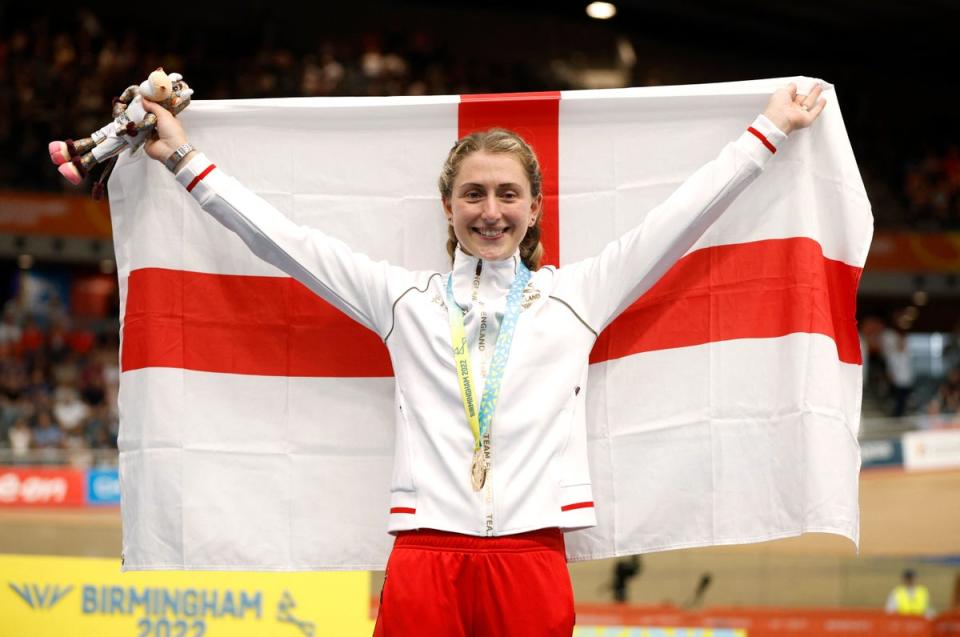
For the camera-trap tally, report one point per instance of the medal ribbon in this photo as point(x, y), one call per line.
point(480, 419)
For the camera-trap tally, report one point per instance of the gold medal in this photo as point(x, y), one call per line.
point(478, 469)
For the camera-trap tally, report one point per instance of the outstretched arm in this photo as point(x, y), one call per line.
point(350, 281)
point(601, 287)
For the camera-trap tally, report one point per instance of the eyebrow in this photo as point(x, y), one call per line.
point(499, 186)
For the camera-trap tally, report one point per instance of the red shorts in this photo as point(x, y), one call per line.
point(450, 585)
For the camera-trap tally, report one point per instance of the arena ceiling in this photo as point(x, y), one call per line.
point(883, 25)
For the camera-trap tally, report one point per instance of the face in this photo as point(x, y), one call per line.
point(491, 206)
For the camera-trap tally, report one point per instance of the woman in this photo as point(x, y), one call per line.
point(489, 359)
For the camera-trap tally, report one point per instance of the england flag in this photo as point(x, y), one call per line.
point(723, 406)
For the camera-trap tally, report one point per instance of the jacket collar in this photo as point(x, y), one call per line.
point(494, 281)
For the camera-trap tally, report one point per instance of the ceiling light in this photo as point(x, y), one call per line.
point(601, 10)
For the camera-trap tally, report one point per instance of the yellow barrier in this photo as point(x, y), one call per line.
point(56, 596)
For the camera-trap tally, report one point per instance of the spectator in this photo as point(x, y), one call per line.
point(949, 392)
point(20, 440)
point(10, 332)
point(99, 428)
point(47, 437)
point(32, 339)
point(909, 598)
point(624, 570)
point(943, 409)
point(70, 412)
point(901, 375)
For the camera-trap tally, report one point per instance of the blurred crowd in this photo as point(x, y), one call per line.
point(906, 386)
point(57, 80)
point(58, 388)
point(932, 190)
point(48, 92)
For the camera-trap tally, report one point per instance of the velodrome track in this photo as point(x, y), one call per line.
point(906, 518)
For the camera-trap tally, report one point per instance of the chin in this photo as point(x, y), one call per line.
point(497, 251)
point(492, 253)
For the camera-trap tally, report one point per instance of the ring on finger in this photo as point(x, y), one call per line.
point(805, 107)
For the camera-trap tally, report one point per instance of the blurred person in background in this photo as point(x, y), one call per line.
point(943, 410)
point(624, 570)
point(68, 409)
point(10, 331)
point(948, 395)
point(47, 436)
point(909, 598)
point(20, 438)
point(900, 372)
point(873, 334)
point(100, 429)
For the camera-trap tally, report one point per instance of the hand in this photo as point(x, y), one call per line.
point(169, 133)
point(790, 111)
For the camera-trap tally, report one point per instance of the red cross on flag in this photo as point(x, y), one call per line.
point(722, 407)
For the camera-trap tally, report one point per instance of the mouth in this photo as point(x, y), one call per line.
point(490, 234)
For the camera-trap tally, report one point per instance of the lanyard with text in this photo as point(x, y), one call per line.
point(480, 419)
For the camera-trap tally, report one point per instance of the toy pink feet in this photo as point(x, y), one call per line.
point(59, 153)
point(71, 172)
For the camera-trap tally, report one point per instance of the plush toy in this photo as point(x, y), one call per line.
point(130, 126)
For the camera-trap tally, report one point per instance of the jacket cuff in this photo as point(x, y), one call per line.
point(192, 176)
point(761, 140)
point(576, 507)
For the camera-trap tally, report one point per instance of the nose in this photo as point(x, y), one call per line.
point(491, 208)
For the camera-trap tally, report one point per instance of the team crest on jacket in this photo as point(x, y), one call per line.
point(530, 296)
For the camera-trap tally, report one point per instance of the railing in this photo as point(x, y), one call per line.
point(872, 429)
point(875, 428)
point(76, 458)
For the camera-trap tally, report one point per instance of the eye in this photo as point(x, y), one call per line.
point(473, 194)
point(508, 195)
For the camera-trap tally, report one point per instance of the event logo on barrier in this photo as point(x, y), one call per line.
point(931, 449)
point(88, 596)
point(37, 597)
point(103, 486)
point(41, 487)
point(881, 453)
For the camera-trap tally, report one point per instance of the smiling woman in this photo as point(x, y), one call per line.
point(491, 191)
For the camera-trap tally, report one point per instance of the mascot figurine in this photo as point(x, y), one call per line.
point(130, 126)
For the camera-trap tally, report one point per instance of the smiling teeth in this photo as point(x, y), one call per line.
point(490, 233)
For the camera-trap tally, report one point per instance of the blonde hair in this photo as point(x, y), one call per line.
point(497, 140)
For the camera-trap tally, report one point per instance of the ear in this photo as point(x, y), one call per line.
point(447, 209)
point(536, 208)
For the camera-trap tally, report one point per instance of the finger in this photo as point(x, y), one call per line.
point(792, 90)
point(158, 110)
point(815, 111)
point(153, 107)
point(811, 99)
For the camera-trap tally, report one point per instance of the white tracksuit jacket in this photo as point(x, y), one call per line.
point(539, 475)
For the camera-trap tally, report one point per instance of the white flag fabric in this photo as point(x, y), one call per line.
point(722, 407)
